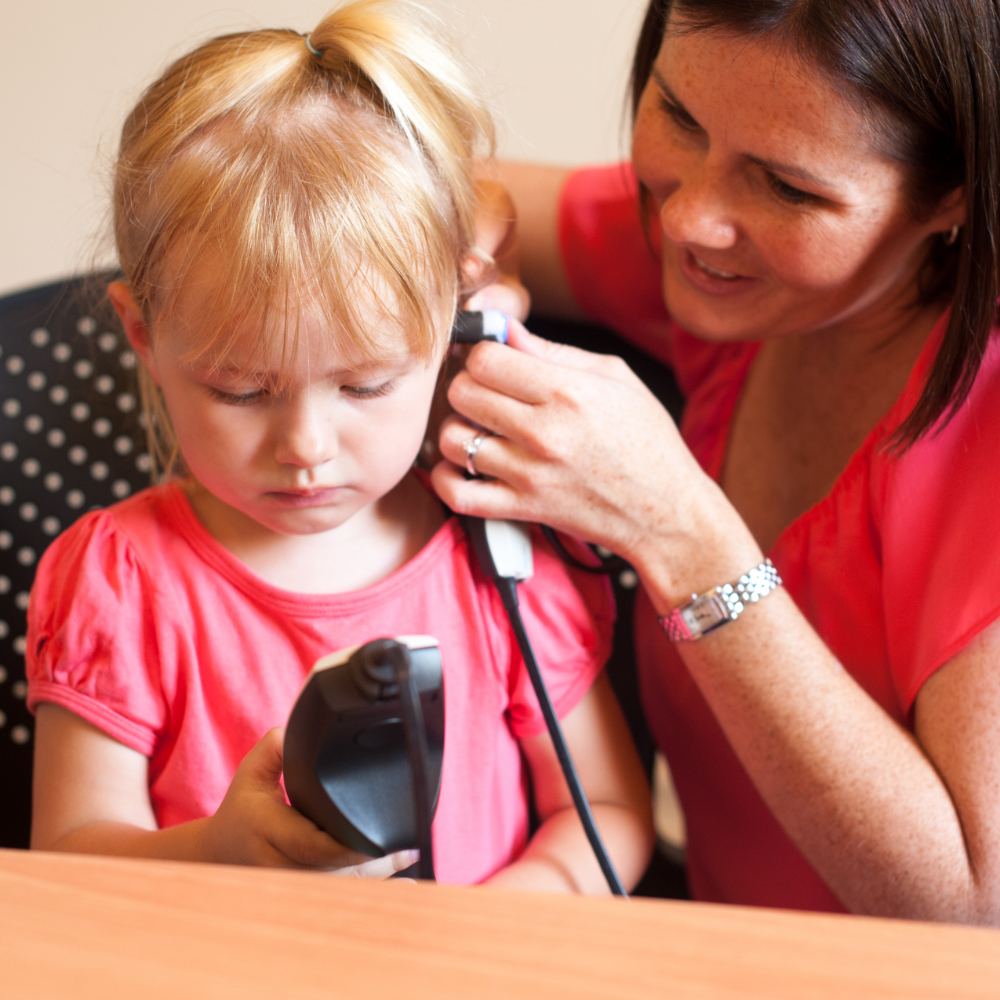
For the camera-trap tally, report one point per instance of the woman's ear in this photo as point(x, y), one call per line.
point(950, 212)
point(134, 324)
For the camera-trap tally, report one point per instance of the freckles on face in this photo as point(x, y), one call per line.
point(777, 216)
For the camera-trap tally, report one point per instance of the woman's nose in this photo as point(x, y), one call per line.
point(306, 433)
point(699, 211)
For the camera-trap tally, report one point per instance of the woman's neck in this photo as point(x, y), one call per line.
point(807, 406)
point(368, 547)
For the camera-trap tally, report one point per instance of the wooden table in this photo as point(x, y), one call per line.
point(79, 927)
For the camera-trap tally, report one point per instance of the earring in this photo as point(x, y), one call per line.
point(949, 240)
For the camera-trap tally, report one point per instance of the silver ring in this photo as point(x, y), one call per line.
point(471, 448)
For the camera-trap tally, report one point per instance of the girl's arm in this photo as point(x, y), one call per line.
point(897, 824)
point(558, 857)
point(91, 797)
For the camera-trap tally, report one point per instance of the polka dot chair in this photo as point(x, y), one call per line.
point(70, 442)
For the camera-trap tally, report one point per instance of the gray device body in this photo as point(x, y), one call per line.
point(345, 759)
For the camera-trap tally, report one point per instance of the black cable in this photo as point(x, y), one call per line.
point(416, 748)
point(507, 588)
point(567, 557)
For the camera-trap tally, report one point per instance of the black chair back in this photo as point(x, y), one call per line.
point(70, 442)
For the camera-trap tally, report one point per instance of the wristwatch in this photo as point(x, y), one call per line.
point(720, 605)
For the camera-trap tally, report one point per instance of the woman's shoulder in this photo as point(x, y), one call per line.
point(965, 438)
point(934, 510)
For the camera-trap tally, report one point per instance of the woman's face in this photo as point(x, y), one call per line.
point(777, 215)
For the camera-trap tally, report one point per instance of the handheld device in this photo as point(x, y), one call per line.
point(365, 739)
point(364, 745)
point(472, 327)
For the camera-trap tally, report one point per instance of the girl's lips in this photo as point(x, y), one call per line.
point(305, 498)
point(712, 280)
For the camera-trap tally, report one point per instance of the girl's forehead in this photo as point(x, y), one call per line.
point(293, 335)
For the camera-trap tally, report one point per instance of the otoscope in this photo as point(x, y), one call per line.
point(378, 698)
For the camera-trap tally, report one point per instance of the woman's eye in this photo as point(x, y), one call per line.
point(788, 193)
point(237, 398)
point(369, 392)
point(678, 115)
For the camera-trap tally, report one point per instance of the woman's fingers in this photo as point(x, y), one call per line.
point(565, 355)
point(580, 443)
point(536, 370)
point(478, 497)
point(505, 295)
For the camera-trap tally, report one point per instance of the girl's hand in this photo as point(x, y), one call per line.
point(254, 825)
point(584, 446)
point(497, 286)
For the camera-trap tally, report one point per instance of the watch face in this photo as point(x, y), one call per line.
point(703, 614)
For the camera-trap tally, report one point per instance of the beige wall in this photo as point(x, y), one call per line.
point(556, 70)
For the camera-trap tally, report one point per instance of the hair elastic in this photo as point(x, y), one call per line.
point(313, 51)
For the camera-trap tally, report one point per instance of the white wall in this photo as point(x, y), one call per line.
point(556, 70)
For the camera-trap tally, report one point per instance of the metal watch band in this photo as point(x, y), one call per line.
point(720, 605)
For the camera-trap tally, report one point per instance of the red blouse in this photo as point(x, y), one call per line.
point(897, 568)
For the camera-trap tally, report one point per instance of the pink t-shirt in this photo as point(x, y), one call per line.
point(144, 625)
point(897, 568)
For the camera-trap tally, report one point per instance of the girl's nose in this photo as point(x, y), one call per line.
point(306, 434)
point(699, 210)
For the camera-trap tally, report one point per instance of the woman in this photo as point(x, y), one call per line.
point(819, 183)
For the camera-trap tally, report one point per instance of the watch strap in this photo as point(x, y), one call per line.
point(720, 605)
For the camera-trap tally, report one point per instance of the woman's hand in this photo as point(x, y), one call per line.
point(254, 825)
point(493, 272)
point(584, 446)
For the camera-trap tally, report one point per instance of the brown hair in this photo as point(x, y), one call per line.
point(336, 178)
point(925, 71)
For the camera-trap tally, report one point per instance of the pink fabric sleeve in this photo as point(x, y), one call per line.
point(612, 268)
point(91, 645)
point(940, 535)
point(569, 617)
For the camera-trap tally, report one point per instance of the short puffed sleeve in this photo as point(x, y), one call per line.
point(940, 536)
point(569, 616)
point(91, 641)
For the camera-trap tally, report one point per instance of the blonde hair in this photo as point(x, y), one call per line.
point(336, 178)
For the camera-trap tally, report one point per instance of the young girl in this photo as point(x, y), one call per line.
point(293, 216)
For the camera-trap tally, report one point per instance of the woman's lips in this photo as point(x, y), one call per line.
point(305, 498)
point(713, 280)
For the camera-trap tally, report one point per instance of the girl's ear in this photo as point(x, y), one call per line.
point(134, 324)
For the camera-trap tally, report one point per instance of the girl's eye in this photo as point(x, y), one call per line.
point(237, 398)
point(369, 392)
point(788, 193)
point(678, 115)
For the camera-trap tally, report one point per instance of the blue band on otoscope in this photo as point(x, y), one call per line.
point(495, 324)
